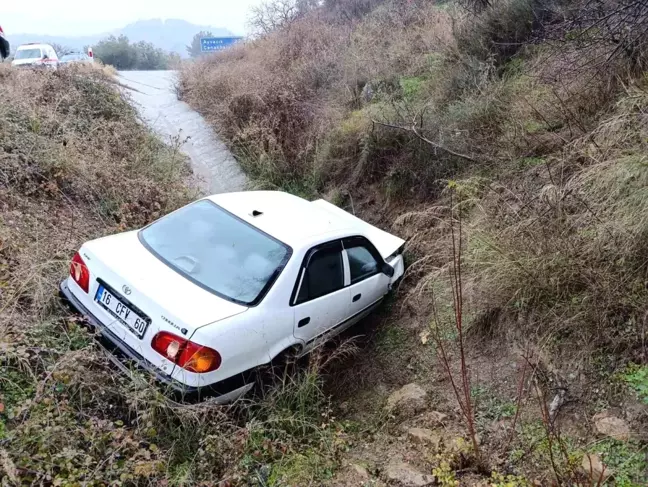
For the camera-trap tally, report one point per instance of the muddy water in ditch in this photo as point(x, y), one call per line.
point(154, 96)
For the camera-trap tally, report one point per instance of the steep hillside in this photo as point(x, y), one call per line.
point(506, 140)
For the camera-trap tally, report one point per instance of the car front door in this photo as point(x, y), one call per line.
point(368, 283)
point(321, 296)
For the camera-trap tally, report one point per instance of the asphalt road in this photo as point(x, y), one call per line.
point(153, 94)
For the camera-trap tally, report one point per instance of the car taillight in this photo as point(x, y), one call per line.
point(188, 355)
point(79, 272)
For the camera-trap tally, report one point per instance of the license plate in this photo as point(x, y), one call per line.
point(124, 314)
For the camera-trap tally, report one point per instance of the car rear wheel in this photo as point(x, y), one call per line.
point(275, 373)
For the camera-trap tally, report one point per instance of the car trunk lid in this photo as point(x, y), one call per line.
point(172, 302)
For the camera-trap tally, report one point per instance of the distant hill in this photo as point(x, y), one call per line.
point(170, 35)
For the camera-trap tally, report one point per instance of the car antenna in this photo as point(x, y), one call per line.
point(256, 213)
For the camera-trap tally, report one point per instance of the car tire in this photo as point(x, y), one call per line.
point(276, 371)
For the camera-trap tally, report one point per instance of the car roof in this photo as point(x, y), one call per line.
point(288, 218)
point(32, 45)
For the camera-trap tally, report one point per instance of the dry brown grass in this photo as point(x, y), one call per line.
point(303, 106)
point(566, 244)
point(75, 163)
point(277, 99)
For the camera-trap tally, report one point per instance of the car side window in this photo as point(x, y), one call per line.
point(362, 263)
point(324, 275)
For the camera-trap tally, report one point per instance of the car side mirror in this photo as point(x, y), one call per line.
point(388, 270)
point(369, 268)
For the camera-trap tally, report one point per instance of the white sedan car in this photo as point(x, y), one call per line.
point(206, 295)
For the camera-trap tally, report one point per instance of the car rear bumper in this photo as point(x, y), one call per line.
point(121, 355)
point(34, 66)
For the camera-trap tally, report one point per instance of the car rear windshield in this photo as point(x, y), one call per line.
point(217, 251)
point(73, 57)
point(28, 54)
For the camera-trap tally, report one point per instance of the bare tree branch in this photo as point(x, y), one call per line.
point(415, 131)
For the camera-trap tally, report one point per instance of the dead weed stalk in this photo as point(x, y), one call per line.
point(459, 379)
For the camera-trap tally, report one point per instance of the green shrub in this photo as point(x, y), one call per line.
point(636, 376)
point(626, 459)
point(122, 54)
point(411, 87)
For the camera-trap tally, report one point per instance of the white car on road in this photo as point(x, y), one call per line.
point(206, 295)
point(75, 58)
point(35, 55)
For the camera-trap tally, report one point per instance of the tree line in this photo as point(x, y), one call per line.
point(119, 52)
point(123, 54)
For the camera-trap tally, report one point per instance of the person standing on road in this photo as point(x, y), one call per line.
point(4, 46)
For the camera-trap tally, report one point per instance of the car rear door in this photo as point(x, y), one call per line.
point(321, 297)
point(368, 283)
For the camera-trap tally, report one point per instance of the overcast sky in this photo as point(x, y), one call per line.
point(86, 17)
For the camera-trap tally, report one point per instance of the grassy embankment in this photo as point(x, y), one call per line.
point(524, 121)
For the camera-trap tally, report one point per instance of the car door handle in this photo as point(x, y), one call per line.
point(357, 297)
point(303, 322)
